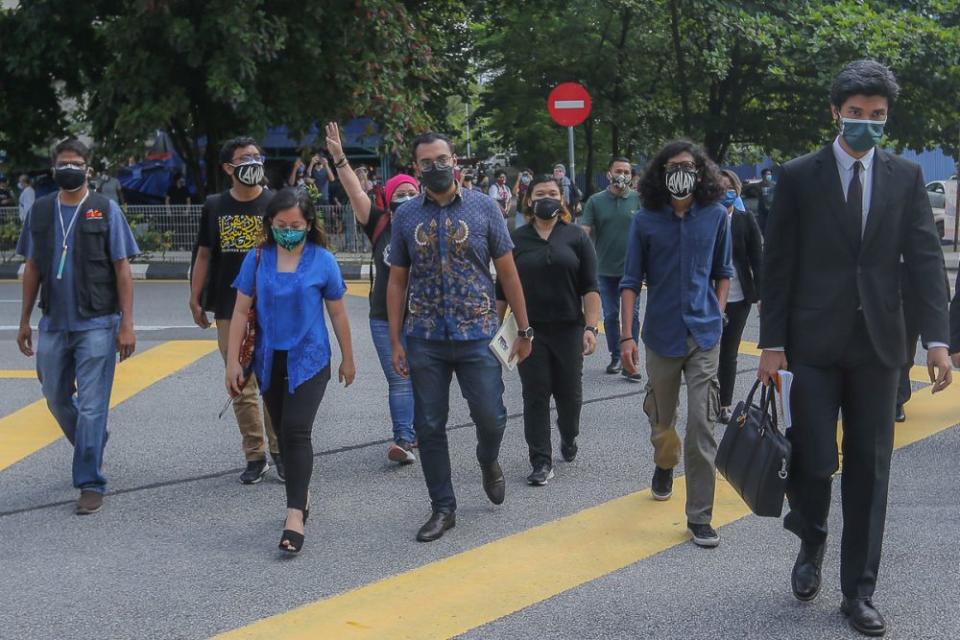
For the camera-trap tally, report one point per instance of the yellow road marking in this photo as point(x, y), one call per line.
point(31, 428)
point(473, 588)
point(22, 374)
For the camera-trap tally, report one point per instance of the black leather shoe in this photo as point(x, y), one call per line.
point(569, 450)
point(863, 616)
point(901, 415)
point(493, 482)
point(434, 528)
point(805, 578)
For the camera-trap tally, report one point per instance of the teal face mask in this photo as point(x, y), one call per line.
point(861, 135)
point(289, 239)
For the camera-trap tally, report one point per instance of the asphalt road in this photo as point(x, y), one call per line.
point(183, 550)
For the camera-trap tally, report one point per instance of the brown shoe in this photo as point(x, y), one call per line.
point(89, 502)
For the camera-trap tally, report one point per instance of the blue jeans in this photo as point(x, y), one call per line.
point(90, 359)
point(432, 365)
point(400, 393)
point(610, 299)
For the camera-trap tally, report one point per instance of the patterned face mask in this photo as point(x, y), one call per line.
point(289, 239)
point(681, 182)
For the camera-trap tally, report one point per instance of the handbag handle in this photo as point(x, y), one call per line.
point(767, 395)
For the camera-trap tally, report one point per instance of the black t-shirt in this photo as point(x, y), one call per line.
point(555, 273)
point(381, 264)
point(177, 194)
point(229, 228)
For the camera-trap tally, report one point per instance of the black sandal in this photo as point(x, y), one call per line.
point(294, 539)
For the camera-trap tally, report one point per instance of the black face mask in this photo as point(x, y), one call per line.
point(546, 208)
point(438, 180)
point(70, 178)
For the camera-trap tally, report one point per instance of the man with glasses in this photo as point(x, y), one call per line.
point(607, 218)
point(77, 246)
point(231, 224)
point(441, 248)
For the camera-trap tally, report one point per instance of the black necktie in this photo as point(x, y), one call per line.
point(855, 204)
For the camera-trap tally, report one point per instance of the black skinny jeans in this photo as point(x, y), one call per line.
point(292, 415)
point(737, 313)
point(554, 368)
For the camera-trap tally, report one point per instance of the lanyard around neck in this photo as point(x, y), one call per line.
point(66, 231)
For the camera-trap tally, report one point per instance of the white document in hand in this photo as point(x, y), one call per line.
point(784, 382)
point(502, 343)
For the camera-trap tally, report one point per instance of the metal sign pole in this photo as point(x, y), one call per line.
point(573, 171)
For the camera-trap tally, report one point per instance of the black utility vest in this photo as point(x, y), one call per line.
point(94, 278)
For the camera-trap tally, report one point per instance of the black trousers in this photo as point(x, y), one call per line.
point(737, 313)
point(862, 388)
point(554, 368)
point(292, 415)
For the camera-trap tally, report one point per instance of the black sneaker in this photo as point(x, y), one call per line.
point(541, 474)
point(661, 488)
point(614, 366)
point(278, 467)
point(704, 535)
point(256, 469)
point(632, 377)
point(568, 451)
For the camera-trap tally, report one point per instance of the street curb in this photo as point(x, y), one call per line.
point(351, 270)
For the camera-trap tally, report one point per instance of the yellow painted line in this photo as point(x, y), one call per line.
point(917, 373)
point(31, 428)
point(21, 374)
point(358, 289)
point(470, 589)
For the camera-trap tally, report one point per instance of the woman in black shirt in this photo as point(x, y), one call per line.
point(558, 271)
point(376, 224)
point(747, 244)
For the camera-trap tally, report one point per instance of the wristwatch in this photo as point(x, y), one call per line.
point(527, 333)
point(593, 330)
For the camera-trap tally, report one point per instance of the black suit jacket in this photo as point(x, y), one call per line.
point(955, 318)
point(814, 276)
point(747, 244)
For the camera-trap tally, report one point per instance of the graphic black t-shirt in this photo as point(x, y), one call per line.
point(381, 264)
point(229, 228)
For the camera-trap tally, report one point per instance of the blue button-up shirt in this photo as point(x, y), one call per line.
point(679, 258)
point(448, 251)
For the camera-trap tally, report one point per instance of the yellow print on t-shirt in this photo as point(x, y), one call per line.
point(240, 233)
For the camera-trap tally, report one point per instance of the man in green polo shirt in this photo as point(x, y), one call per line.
point(606, 218)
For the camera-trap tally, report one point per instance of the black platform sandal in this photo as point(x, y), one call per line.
point(295, 539)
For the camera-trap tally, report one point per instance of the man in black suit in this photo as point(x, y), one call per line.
point(842, 220)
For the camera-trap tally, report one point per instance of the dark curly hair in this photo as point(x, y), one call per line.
point(653, 184)
point(290, 198)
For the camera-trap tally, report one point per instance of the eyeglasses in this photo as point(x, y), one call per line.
point(293, 227)
point(70, 165)
point(248, 159)
point(443, 162)
point(683, 166)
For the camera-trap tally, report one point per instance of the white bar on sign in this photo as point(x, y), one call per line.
point(568, 104)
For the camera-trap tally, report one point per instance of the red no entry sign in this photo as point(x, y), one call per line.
point(568, 104)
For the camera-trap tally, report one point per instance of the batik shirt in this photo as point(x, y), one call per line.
point(448, 251)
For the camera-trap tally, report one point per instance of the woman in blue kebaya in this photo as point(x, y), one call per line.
point(292, 277)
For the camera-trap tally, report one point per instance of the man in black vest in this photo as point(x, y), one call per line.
point(77, 246)
point(231, 224)
point(842, 220)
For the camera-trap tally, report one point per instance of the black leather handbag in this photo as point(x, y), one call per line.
point(754, 456)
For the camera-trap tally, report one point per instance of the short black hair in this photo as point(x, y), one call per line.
point(429, 138)
point(499, 172)
point(653, 185)
point(289, 198)
point(866, 78)
point(73, 145)
point(766, 170)
point(231, 145)
point(617, 159)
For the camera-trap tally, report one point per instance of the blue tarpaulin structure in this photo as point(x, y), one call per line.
point(148, 181)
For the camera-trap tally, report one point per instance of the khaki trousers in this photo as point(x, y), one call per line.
point(699, 369)
point(247, 409)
